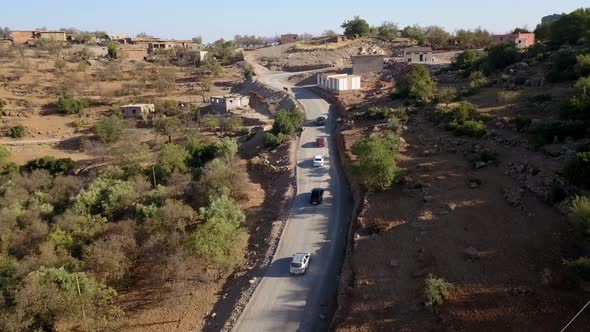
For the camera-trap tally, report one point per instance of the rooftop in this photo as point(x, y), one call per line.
point(340, 75)
point(418, 49)
point(137, 105)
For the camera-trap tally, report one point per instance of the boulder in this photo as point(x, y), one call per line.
point(472, 253)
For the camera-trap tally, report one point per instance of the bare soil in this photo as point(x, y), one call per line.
point(431, 219)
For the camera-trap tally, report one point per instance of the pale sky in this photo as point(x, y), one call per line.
point(184, 19)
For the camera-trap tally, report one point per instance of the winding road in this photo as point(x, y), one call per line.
point(282, 302)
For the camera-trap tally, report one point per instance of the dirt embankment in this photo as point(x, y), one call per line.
point(483, 228)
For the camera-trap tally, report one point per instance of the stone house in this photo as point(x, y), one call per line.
point(421, 55)
point(27, 36)
point(229, 102)
point(520, 40)
point(364, 64)
point(289, 38)
point(131, 52)
point(138, 111)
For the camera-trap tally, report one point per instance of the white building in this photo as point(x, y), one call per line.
point(138, 111)
point(229, 102)
point(339, 82)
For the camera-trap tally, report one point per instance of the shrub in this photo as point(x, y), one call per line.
point(17, 132)
point(226, 148)
point(70, 105)
point(51, 164)
point(579, 269)
point(223, 177)
point(105, 197)
point(508, 96)
point(579, 217)
point(286, 122)
point(541, 98)
point(50, 295)
point(109, 129)
point(466, 60)
point(577, 170)
point(272, 141)
point(472, 128)
point(502, 55)
point(563, 64)
point(417, 85)
point(200, 153)
point(463, 112)
point(583, 64)
point(375, 166)
point(477, 80)
point(446, 95)
point(546, 133)
point(110, 258)
point(2, 104)
point(379, 113)
point(522, 123)
point(231, 124)
point(173, 217)
point(578, 107)
point(436, 290)
point(210, 122)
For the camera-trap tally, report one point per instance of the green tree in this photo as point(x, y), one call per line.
point(226, 148)
point(172, 158)
point(437, 37)
point(197, 40)
point(168, 127)
point(415, 32)
point(69, 105)
point(109, 129)
point(106, 197)
point(173, 217)
point(248, 73)
point(110, 258)
point(356, 26)
point(417, 85)
point(286, 122)
point(220, 239)
point(571, 28)
point(375, 166)
point(388, 30)
point(521, 30)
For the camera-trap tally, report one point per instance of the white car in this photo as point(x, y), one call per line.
point(299, 263)
point(318, 161)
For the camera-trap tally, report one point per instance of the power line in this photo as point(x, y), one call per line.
point(576, 316)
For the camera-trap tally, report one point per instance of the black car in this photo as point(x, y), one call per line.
point(321, 121)
point(316, 197)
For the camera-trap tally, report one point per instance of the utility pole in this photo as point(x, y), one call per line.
point(81, 304)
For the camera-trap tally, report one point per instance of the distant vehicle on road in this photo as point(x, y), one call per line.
point(320, 142)
point(318, 161)
point(299, 263)
point(317, 196)
point(321, 121)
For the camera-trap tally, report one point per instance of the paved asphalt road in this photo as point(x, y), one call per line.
point(283, 302)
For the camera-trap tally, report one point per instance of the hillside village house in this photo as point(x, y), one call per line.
point(153, 46)
point(229, 102)
point(138, 111)
point(132, 52)
point(364, 64)
point(421, 55)
point(289, 38)
point(521, 40)
point(27, 36)
point(339, 82)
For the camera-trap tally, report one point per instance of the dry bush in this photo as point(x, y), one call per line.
point(224, 177)
point(109, 259)
point(508, 96)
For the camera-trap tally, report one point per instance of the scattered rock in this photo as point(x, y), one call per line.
point(428, 198)
point(520, 290)
point(322, 316)
point(514, 195)
point(474, 183)
point(480, 164)
point(252, 281)
point(425, 216)
point(394, 263)
point(472, 253)
point(427, 153)
point(452, 206)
